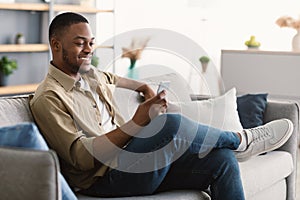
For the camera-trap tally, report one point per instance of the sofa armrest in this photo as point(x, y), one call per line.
point(289, 110)
point(29, 174)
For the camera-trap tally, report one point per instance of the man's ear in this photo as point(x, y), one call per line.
point(55, 44)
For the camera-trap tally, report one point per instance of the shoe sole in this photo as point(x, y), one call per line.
point(278, 145)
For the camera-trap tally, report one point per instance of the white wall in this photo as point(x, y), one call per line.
point(213, 24)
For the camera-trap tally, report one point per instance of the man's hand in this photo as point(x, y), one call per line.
point(147, 91)
point(150, 109)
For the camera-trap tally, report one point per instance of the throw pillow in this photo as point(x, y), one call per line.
point(220, 112)
point(179, 89)
point(251, 108)
point(24, 135)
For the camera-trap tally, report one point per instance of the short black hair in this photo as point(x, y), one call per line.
point(64, 20)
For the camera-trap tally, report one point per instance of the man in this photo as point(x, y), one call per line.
point(101, 155)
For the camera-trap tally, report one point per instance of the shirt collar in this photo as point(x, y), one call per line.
point(90, 73)
point(65, 80)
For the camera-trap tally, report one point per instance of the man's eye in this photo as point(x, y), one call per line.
point(92, 44)
point(79, 44)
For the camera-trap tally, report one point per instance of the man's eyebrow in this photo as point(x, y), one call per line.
point(83, 38)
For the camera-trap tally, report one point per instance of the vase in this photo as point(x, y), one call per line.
point(204, 66)
point(132, 71)
point(296, 41)
point(3, 79)
point(20, 39)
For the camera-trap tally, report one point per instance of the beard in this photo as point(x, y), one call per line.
point(73, 66)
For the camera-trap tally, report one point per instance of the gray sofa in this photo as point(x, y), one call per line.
point(269, 176)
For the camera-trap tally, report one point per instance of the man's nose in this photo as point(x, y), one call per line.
point(88, 48)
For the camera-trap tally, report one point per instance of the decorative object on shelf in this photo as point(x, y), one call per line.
point(287, 21)
point(204, 60)
point(7, 67)
point(20, 39)
point(296, 41)
point(252, 43)
point(134, 53)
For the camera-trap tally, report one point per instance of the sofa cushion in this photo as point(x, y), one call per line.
point(261, 172)
point(169, 195)
point(278, 191)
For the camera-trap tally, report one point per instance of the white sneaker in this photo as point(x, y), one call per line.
point(266, 138)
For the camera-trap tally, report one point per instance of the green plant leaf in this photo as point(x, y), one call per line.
point(7, 66)
point(204, 59)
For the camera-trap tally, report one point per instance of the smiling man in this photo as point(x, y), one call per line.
point(73, 47)
point(74, 109)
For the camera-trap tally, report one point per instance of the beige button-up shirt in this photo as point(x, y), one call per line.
point(69, 119)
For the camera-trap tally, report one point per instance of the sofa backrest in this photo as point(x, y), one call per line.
point(14, 110)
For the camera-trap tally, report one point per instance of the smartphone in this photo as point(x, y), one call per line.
point(164, 85)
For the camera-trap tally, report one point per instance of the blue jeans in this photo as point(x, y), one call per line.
point(26, 135)
point(178, 154)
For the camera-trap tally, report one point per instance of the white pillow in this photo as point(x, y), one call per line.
point(179, 89)
point(220, 112)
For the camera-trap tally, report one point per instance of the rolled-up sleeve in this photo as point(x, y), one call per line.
point(111, 78)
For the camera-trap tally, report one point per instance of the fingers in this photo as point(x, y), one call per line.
point(157, 104)
point(157, 97)
point(162, 94)
point(157, 108)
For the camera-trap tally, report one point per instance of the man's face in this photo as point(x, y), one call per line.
point(76, 51)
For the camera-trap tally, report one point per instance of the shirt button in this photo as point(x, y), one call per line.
point(100, 124)
point(94, 106)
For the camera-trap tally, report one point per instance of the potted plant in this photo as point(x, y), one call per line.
point(252, 43)
point(20, 39)
point(204, 60)
point(7, 67)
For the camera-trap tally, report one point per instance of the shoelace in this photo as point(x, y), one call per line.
point(259, 134)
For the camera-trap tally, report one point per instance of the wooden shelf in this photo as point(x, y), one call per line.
point(45, 7)
point(18, 89)
point(24, 48)
point(25, 6)
point(103, 47)
point(11, 48)
point(78, 8)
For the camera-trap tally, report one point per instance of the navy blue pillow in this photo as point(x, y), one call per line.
point(251, 108)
